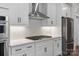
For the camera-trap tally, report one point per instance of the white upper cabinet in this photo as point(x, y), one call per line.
point(66, 10)
point(18, 14)
point(23, 14)
point(51, 12)
point(59, 14)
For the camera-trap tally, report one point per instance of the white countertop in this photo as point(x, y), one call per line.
point(15, 42)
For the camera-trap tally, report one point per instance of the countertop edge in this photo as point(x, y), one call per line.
point(32, 41)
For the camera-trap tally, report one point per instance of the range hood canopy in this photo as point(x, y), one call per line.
point(35, 14)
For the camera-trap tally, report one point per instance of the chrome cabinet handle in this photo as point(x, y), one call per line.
point(51, 22)
point(57, 45)
point(18, 49)
point(29, 46)
point(45, 49)
point(19, 19)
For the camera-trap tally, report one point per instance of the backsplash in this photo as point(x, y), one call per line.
point(17, 32)
point(52, 31)
point(20, 32)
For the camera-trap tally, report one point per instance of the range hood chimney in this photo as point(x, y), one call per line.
point(35, 14)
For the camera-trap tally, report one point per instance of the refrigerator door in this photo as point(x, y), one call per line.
point(64, 35)
point(67, 35)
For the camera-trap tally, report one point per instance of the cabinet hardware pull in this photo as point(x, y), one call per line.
point(51, 22)
point(29, 46)
point(45, 49)
point(58, 45)
point(18, 19)
point(18, 49)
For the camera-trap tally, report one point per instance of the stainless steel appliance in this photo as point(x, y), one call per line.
point(3, 26)
point(3, 48)
point(36, 14)
point(67, 35)
point(3, 35)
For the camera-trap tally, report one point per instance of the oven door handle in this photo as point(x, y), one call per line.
point(3, 24)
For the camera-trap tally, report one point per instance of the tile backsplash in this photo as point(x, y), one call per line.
point(53, 31)
point(20, 32)
point(17, 32)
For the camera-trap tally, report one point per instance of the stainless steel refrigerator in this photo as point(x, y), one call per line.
point(67, 36)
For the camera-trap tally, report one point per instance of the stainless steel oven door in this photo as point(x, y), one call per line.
point(2, 30)
point(3, 47)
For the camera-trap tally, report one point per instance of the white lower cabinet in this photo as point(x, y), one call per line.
point(30, 50)
point(57, 46)
point(24, 50)
point(44, 48)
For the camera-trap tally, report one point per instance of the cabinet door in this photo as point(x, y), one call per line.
point(30, 50)
point(60, 44)
point(24, 50)
point(44, 48)
point(51, 12)
point(59, 14)
point(18, 14)
point(57, 47)
point(66, 10)
point(18, 50)
point(22, 16)
point(13, 13)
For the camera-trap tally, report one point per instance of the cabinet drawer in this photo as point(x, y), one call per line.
point(17, 50)
point(29, 47)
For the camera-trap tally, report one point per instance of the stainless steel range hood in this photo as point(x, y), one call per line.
point(35, 14)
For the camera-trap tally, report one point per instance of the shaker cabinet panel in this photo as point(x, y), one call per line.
point(51, 12)
point(57, 47)
point(44, 48)
point(23, 50)
point(18, 13)
point(66, 10)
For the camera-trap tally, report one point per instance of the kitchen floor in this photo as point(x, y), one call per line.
point(75, 52)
